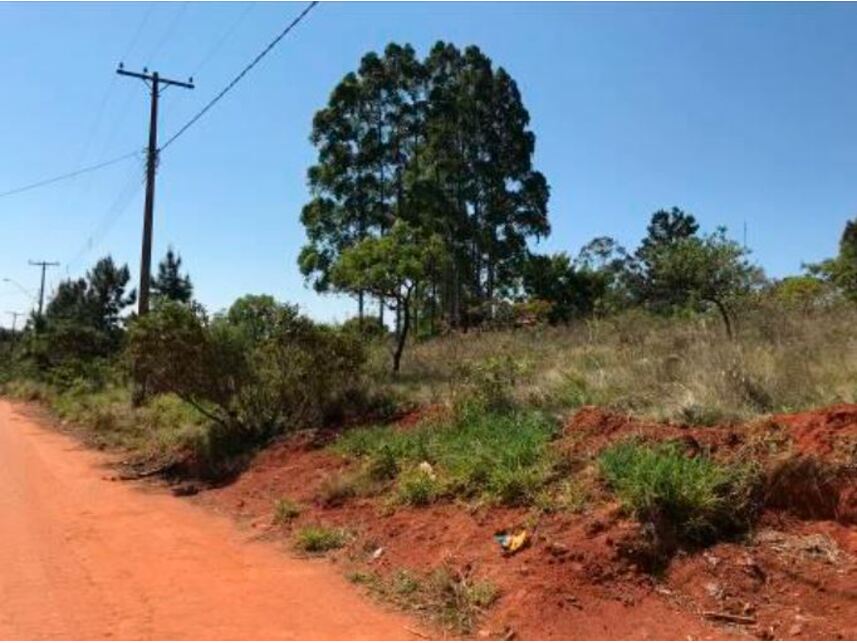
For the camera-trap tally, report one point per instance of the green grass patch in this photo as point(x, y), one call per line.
point(502, 457)
point(316, 539)
point(417, 488)
point(696, 497)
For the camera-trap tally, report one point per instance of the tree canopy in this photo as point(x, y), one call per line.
point(391, 268)
point(83, 318)
point(691, 271)
point(841, 271)
point(441, 143)
point(170, 283)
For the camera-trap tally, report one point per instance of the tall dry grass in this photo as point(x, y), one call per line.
point(675, 369)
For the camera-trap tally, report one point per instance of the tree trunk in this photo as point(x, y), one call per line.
point(416, 311)
point(404, 304)
point(727, 322)
point(433, 312)
point(398, 317)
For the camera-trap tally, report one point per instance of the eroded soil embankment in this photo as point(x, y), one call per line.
point(794, 576)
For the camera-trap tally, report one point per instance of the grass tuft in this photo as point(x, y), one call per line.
point(316, 539)
point(285, 510)
point(417, 488)
point(694, 496)
point(453, 600)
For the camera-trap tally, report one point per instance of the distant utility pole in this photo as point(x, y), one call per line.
point(15, 316)
point(155, 82)
point(44, 265)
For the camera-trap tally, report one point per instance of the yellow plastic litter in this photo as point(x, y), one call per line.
point(512, 543)
point(518, 541)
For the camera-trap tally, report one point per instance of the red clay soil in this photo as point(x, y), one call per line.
point(84, 557)
point(830, 433)
point(790, 578)
point(810, 457)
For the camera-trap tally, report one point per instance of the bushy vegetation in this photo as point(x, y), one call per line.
point(697, 498)
point(258, 371)
point(178, 383)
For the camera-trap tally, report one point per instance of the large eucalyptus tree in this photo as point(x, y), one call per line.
point(442, 144)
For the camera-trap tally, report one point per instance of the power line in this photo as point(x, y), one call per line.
point(96, 123)
point(69, 175)
point(117, 208)
point(223, 38)
point(171, 27)
point(213, 51)
point(137, 33)
point(93, 128)
point(241, 75)
point(123, 110)
point(185, 127)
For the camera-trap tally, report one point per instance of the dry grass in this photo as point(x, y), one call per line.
point(668, 369)
point(453, 600)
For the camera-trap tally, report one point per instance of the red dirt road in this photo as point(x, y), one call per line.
point(82, 557)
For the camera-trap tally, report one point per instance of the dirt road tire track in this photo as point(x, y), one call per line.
point(82, 557)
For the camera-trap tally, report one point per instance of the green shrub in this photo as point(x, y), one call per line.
point(382, 464)
point(316, 539)
point(258, 371)
point(370, 327)
point(697, 497)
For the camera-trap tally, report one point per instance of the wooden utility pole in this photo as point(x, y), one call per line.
point(155, 82)
point(44, 265)
point(15, 316)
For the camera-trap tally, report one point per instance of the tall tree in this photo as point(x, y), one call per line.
point(666, 228)
point(170, 283)
point(442, 144)
point(97, 301)
point(107, 292)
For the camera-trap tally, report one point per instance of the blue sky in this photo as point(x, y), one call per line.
point(736, 112)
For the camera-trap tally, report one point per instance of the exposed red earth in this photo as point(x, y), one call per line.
point(794, 577)
point(87, 557)
point(83, 556)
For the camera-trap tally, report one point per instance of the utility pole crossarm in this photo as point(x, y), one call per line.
point(151, 77)
point(154, 81)
point(44, 266)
